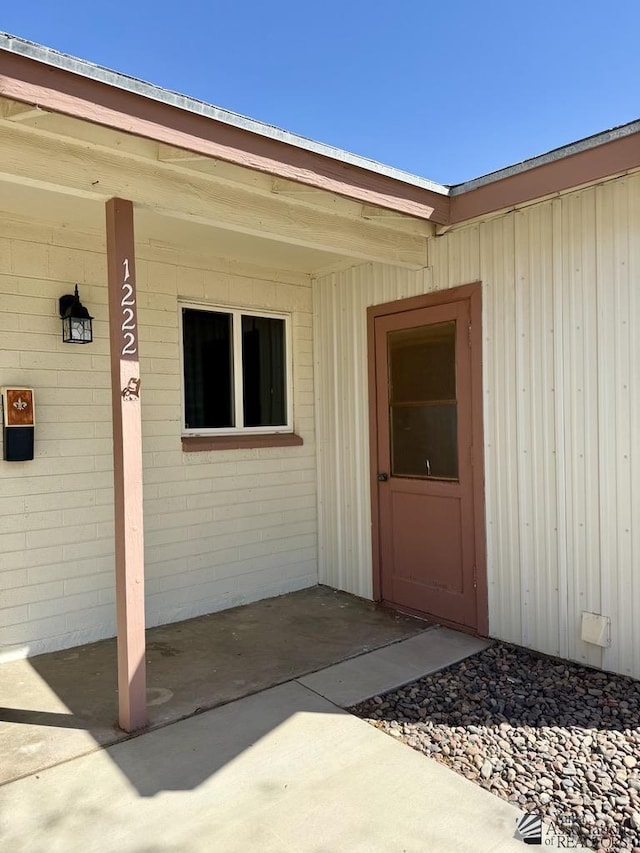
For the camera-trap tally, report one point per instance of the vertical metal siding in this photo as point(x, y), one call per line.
point(618, 267)
point(499, 384)
point(629, 588)
point(562, 414)
point(560, 430)
point(580, 385)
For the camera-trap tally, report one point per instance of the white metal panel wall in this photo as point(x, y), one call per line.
point(618, 305)
point(562, 415)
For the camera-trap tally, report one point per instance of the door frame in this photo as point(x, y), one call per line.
point(473, 294)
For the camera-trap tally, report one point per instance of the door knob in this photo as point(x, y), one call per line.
point(382, 478)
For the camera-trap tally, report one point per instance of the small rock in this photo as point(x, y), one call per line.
point(487, 769)
point(629, 761)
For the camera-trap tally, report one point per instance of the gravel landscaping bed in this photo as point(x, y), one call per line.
point(551, 737)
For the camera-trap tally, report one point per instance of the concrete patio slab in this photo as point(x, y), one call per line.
point(354, 680)
point(283, 770)
point(61, 705)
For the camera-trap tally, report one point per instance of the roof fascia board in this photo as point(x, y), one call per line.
point(549, 175)
point(36, 75)
point(548, 157)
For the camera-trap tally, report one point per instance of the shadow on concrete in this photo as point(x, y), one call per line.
point(282, 770)
point(62, 705)
point(203, 745)
point(41, 718)
point(249, 741)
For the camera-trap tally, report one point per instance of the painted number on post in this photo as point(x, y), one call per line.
point(128, 305)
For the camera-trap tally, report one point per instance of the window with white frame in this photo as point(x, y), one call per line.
point(236, 371)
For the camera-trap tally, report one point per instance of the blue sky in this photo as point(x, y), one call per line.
point(448, 90)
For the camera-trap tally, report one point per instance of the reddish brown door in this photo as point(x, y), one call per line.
point(425, 472)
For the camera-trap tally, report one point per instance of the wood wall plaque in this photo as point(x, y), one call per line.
point(18, 407)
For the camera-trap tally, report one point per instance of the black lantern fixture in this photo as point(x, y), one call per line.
point(76, 320)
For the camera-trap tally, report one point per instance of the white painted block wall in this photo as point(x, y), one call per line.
point(221, 528)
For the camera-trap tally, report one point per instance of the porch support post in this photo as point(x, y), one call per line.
point(127, 465)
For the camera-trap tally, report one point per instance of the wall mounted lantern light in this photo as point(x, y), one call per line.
point(76, 320)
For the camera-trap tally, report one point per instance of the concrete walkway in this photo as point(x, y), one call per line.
point(282, 770)
point(58, 706)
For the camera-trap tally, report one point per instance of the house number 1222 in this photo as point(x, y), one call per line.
point(128, 302)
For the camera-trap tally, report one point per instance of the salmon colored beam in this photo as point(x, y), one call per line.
point(127, 465)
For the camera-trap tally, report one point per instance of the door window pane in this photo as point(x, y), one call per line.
point(264, 371)
point(422, 401)
point(424, 441)
point(422, 363)
point(208, 369)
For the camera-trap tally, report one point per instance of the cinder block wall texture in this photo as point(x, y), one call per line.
point(221, 527)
